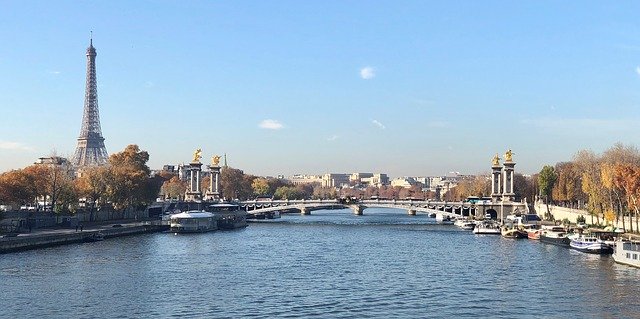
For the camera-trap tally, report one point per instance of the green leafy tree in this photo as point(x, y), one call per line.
point(546, 180)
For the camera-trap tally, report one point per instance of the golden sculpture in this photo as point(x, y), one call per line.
point(496, 160)
point(197, 155)
point(508, 156)
point(215, 160)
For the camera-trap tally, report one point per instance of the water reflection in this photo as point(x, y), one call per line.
point(328, 264)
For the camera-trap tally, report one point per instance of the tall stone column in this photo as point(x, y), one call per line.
point(195, 174)
point(496, 181)
point(508, 194)
point(213, 193)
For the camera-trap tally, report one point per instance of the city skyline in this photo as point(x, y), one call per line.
point(410, 89)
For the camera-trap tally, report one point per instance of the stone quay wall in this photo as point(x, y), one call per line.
point(559, 213)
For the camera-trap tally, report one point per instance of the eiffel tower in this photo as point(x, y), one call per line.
point(90, 150)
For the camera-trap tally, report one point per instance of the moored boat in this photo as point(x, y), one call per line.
point(627, 251)
point(513, 233)
point(589, 243)
point(533, 234)
point(487, 228)
point(194, 221)
point(555, 236)
point(228, 216)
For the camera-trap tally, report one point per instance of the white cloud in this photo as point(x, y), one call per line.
point(333, 138)
point(378, 124)
point(638, 70)
point(271, 125)
point(15, 146)
point(367, 73)
point(54, 72)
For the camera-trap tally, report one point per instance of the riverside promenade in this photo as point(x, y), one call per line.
point(47, 237)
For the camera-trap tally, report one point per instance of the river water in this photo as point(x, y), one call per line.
point(331, 264)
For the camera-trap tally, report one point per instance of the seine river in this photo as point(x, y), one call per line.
point(331, 264)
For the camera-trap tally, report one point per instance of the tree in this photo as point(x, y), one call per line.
point(92, 185)
point(588, 165)
point(234, 185)
point(288, 192)
point(128, 186)
point(568, 186)
point(546, 180)
point(260, 186)
point(17, 187)
point(173, 188)
point(627, 176)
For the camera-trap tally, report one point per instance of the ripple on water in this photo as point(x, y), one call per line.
point(326, 265)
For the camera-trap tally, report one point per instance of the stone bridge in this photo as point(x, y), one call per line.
point(497, 210)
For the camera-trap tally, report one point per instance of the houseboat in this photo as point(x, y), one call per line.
point(193, 221)
point(228, 216)
point(555, 235)
point(626, 251)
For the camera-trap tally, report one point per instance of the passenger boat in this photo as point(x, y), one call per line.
point(194, 221)
point(555, 236)
point(228, 216)
point(513, 233)
point(627, 251)
point(590, 243)
point(487, 228)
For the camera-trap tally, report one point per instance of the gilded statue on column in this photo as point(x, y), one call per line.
point(215, 160)
point(197, 155)
point(496, 160)
point(508, 156)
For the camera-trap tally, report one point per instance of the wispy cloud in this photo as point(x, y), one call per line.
point(270, 125)
point(378, 124)
point(149, 84)
point(15, 146)
point(638, 70)
point(54, 72)
point(332, 138)
point(367, 73)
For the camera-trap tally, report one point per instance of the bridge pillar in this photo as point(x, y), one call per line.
point(357, 209)
point(304, 211)
point(411, 212)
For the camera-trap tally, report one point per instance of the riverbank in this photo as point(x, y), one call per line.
point(54, 237)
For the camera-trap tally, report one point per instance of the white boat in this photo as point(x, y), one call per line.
point(487, 228)
point(590, 243)
point(627, 251)
point(442, 219)
point(194, 221)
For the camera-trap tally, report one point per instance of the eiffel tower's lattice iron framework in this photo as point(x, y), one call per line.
point(90, 150)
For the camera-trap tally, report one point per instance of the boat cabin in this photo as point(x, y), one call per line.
point(193, 221)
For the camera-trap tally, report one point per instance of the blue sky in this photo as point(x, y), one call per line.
point(285, 87)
